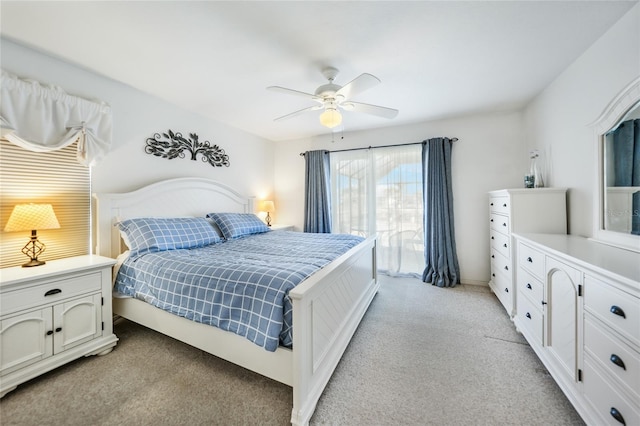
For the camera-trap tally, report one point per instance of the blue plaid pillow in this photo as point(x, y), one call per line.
point(234, 225)
point(149, 234)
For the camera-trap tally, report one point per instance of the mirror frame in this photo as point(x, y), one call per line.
point(612, 114)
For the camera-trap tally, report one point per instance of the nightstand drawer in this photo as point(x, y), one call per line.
point(49, 292)
point(279, 227)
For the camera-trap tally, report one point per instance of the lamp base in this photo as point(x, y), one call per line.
point(33, 249)
point(33, 262)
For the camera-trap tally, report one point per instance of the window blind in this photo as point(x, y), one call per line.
point(55, 178)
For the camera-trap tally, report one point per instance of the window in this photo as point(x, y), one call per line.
point(55, 178)
point(379, 191)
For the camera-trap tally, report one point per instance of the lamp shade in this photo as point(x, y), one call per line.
point(330, 118)
point(267, 206)
point(25, 217)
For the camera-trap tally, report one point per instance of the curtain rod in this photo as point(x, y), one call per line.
point(380, 146)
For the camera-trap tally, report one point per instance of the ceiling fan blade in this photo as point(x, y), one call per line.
point(370, 109)
point(358, 85)
point(294, 92)
point(293, 114)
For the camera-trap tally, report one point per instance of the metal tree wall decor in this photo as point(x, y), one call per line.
point(171, 145)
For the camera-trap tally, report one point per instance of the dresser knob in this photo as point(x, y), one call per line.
point(504, 245)
point(49, 333)
point(58, 330)
point(529, 286)
point(617, 361)
point(491, 220)
point(506, 290)
point(530, 260)
point(504, 205)
point(528, 315)
point(506, 268)
point(53, 291)
point(616, 415)
point(617, 311)
point(504, 224)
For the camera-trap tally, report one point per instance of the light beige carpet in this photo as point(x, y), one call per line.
point(422, 356)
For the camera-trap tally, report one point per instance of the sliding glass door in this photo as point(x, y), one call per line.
point(379, 192)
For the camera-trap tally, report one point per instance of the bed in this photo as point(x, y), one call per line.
point(327, 306)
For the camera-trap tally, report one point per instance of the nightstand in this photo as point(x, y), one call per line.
point(281, 227)
point(53, 314)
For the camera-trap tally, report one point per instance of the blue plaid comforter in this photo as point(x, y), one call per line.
point(240, 285)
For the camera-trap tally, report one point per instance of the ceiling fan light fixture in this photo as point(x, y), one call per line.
point(332, 96)
point(330, 118)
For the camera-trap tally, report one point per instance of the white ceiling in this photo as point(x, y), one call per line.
point(435, 59)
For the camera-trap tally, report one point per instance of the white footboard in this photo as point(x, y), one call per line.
point(327, 309)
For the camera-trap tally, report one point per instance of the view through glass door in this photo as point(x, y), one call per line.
point(379, 191)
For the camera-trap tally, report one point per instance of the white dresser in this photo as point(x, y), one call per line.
point(579, 309)
point(519, 210)
point(53, 314)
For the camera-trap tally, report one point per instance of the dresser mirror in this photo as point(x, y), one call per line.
point(618, 204)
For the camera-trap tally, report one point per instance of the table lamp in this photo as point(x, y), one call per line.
point(32, 217)
point(267, 206)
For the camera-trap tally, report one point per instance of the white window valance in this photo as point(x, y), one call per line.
point(44, 118)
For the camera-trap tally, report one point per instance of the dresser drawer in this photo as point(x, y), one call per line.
point(503, 289)
point(613, 355)
point(619, 310)
point(49, 292)
point(532, 260)
point(529, 286)
point(499, 204)
point(500, 264)
point(530, 318)
point(499, 222)
point(606, 399)
point(502, 282)
point(501, 242)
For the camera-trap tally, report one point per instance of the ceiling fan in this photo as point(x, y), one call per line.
point(332, 97)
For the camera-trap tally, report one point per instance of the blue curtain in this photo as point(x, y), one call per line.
point(626, 157)
point(439, 236)
point(317, 206)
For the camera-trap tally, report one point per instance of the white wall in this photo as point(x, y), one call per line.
point(491, 152)
point(487, 156)
point(137, 116)
point(558, 121)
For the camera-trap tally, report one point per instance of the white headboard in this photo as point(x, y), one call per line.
point(169, 198)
